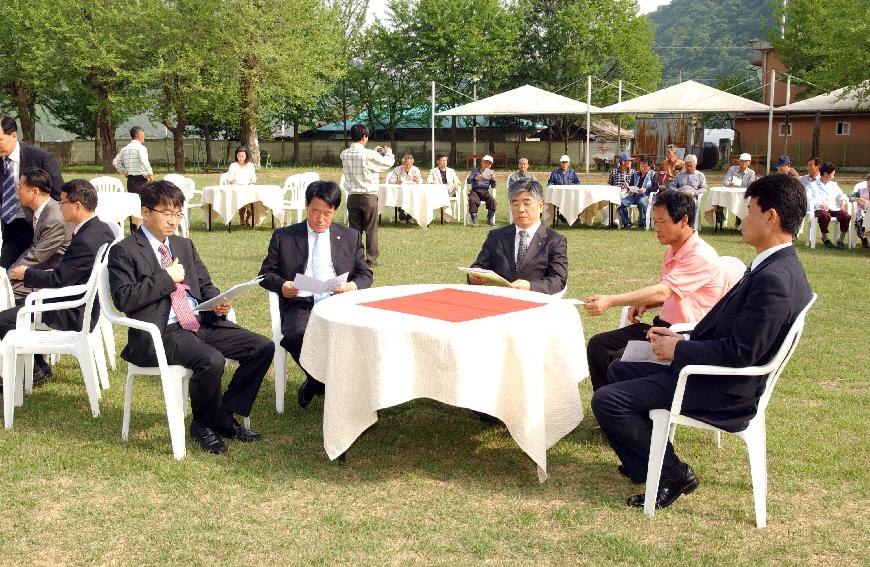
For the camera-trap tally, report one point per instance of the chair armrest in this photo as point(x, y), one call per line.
point(709, 370)
point(275, 316)
point(53, 292)
point(149, 328)
point(24, 321)
point(683, 327)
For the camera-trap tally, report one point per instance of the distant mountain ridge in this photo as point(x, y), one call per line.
point(725, 25)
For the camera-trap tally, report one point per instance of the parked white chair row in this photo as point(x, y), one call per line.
point(108, 183)
point(188, 187)
point(813, 229)
point(294, 193)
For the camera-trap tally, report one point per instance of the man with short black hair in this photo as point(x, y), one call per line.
point(78, 201)
point(15, 220)
point(361, 168)
point(745, 328)
point(158, 277)
point(50, 233)
point(318, 248)
point(132, 161)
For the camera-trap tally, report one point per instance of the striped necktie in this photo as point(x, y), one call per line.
point(10, 204)
point(186, 317)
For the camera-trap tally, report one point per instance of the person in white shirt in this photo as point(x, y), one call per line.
point(133, 162)
point(828, 201)
point(405, 173)
point(740, 175)
point(242, 172)
point(361, 169)
point(444, 175)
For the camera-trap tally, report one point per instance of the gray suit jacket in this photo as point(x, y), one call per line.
point(545, 265)
point(51, 237)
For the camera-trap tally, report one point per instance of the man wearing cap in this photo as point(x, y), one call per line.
point(740, 175)
point(565, 175)
point(622, 177)
point(529, 254)
point(783, 166)
point(481, 179)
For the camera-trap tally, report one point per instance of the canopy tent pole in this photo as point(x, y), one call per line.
point(770, 120)
point(588, 106)
point(433, 124)
point(474, 128)
point(787, 100)
point(619, 121)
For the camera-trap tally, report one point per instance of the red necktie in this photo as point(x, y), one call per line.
point(183, 311)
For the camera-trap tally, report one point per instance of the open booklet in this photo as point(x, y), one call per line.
point(229, 294)
point(313, 285)
point(489, 277)
point(641, 351)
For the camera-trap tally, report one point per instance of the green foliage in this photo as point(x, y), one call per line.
point(711, 29)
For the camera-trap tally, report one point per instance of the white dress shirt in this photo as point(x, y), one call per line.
point(825, 193)
point(155, 245)
point(399, 175)
point(325, 253)
point(15, 161)
point(531, 231)
point(767, 253)
point(242, 174)
point(38, 212)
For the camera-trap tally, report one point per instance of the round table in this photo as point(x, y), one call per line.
point(226, 200)
point(420, 200)
point(117, 206)
point(516, 355)
point(571, 200)
point(731, 199)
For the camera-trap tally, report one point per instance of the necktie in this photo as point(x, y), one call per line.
point(318, 269)
point(183, 311)
point(10, 205)
point(523, 247)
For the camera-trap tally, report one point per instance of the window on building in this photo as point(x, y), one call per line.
point(785, 128)
point(844, 128)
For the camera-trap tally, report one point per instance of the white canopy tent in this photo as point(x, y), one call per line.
point(687, 97)
point(521, 101)
point(835, 101)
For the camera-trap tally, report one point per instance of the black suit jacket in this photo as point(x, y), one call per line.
point(288, 256)
point(745, 328)
point(31, 156)
point(141, 289)
point(545, 265)
point(74, 269)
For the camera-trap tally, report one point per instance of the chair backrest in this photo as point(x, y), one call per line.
point(117, 230)
point(224, 179)
point(90, 295)
point(186, 184)
point(107, 183)
point(7, 296)
point(107, 306)
point(782, 356)
point(732, 270)
point(291, 182)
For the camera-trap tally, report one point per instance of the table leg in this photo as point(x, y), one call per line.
point(442, 215)
point(273, 220)
point(209, 218)
point(251, 211)
point(342, 459)
point(612, 224)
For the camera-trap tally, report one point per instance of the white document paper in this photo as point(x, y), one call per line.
point(641, 351)
point(229, 294)
point(490, 277)
point(307, 283)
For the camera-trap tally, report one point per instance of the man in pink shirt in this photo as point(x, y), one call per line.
point(691, 283)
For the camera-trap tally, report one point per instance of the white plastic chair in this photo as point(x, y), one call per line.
point(108, 183)
point(294, 198)
point(279, 362)
point(224, 179)
point(188, 187)
point(466, 188)
point(835, 225)
point(344, 196)
point(7, 296)
point(25, 341)
point(755, 434)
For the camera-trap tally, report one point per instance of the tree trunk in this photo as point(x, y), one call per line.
point(249, 114)
point(344, 111)
point(816, 128)
point(453, 140)
point(178, 138)
point(98, 140)
point(295, 141)
point(25, 103)
point(206, 133)
point(394, 143)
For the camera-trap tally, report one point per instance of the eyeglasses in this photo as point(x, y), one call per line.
point(168, 214)
point(525, 204)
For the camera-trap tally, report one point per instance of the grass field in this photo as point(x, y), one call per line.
point(430, 484)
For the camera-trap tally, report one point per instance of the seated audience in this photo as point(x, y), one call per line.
point(745, 328)
point(50, 233)
point(521, 174)
point(242, 172)
point(159, 278)
point(622, 177)
point(316, 248)
point(691, 282)
point(482, 179)
point(78, 201)
point(691, 181)
point(861, 198)
point(565, 174)
point(670, 166)
point(527, 253)
point(405, 173)
point(740, 175)
point(445, 176)
point(783, 166)
point(645, 184)
point(828, 201)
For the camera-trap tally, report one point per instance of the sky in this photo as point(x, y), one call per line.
point(378, 8)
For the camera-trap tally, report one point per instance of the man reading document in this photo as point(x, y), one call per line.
point(318, 249)
point(527, 254)
point(158, 277)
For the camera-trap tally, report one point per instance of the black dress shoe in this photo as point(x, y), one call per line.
point(308, 390)
point(624, 472)
point(238, 431)
point(669, 491)
point(840, 244)
point(827, 243)
point(41, 375)
point(206, 438)
point(373, 264)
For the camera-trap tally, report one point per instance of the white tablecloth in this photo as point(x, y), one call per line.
point(420, 200)
point(226, 200)
point(574, 199)
point(116, 206)
point(731, 198)
point(523, 368)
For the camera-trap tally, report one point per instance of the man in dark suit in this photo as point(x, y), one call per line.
point(745, 328)
point(15, 220)
point(158, 277)
point(78, 201)
point(51, 233)
point(527, 253)
point(315, 248)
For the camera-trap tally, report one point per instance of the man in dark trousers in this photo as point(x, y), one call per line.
point(528, 254)
point(78, 201)
point(158, 277)
point(745, 328)
point(319, 249)
point(15, 220)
